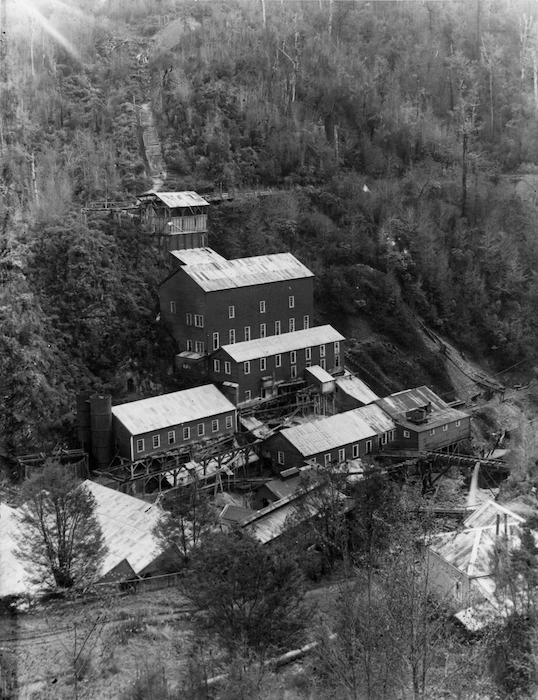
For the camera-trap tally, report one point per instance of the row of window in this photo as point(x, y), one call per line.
point(278, 363)
point(327, 458)
point(263, 307)
point(407, 433)
point(199, 319)
point(186, 432)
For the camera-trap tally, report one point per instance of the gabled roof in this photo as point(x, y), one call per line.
point(246, 272)
point(175, 199)
point(235, 514)
point(397, 405)
point(286, 342)
point(196, 256)
point(356, 388)
point(328, 433)
point(172, 409)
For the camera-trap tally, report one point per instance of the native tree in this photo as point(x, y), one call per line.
point(60, 539)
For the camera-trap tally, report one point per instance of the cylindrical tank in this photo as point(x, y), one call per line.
point(83, 418)
point(101, 428)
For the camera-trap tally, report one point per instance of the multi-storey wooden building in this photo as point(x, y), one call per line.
point(332, 439)
point(179, 219)
point(425, 422)
point(265, 367)
point(208, 301)
point(172, 421)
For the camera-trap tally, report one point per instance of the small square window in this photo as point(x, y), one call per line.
point(432, 431)
point(355, 452)
point(215, 341)
point(406, 434)
point(280, 458)
point(171, 437)
point(188, 318)
point(263, 330)
point(246, 367)
point(306, 322)
point(322, 350)
point(247, 332)
point(458, 423)
point(263, 364)
point(278, 328)
point(293, 357)
point(140, 445)
point(291, 302)
point(216, 365)
point(262, 307)
point(308, 353)
point(231, 336)
point(227, 367)
point(186, 433)
point(291, 325)
point(229, 422)
point(231, 312)
point(214, 425)
point(327, 458)
point(198, 321)
point(293, 371)
point(248, 395)
point(278, 360)
point(201, 429)
point(445, 428)
point(173, 307)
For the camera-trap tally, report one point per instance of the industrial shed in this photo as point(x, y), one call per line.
point(352, 392)
point(172, 421)
point(178, 218)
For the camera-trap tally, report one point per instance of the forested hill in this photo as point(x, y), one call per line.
point(402, 138)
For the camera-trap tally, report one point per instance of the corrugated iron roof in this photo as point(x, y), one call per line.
point(172, 409)
point(245, 272)
point(329, 433)
point(376, 418)
point(196, 256)
point(486, 515)
point(127, 524)
point(176, 199)
point(397, 405)
point(276, 344)
point(356, 388)
point(320, 374)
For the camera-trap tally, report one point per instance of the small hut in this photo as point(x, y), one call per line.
point(178, 218)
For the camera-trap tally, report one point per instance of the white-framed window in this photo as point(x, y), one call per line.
point(308, 353)
point(263, 330)
point(188, 319)
point(291, 302)
point(322, 350)
point(231, 336)
point(231, 312)
point(156, 441)
point(214, 425)
point(406, 434)
point(263, 364)
point(278, 360)
point(391, 435)
point(140, 445)
point(173, 307)
point(293, 357)
point(327, 458)
point(355, 451)
point(200, 429)
point(247, 332)
point(199, 346)
point(216, 365)
point(215, 341)
point(323, 363)
point(306, 321)
point(458, 423)
point(189, 345)
point(336, 347)
point(341, 454)
point(432, 431)
point(278, 327)
point(186, 433)
point(171, 437)
point(262, 307)
point(246, 367)
point(337, 360)
point(198, 320)
point(445, 428)
point(227, 367)
point(368, 447)
point(248, 395)
point(308, 363)
point(293, 369)
point(280, 457)
point(229, 422)
point(291, 325)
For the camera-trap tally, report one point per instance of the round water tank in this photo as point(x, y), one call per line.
point(101, 428)
point(83, 418)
